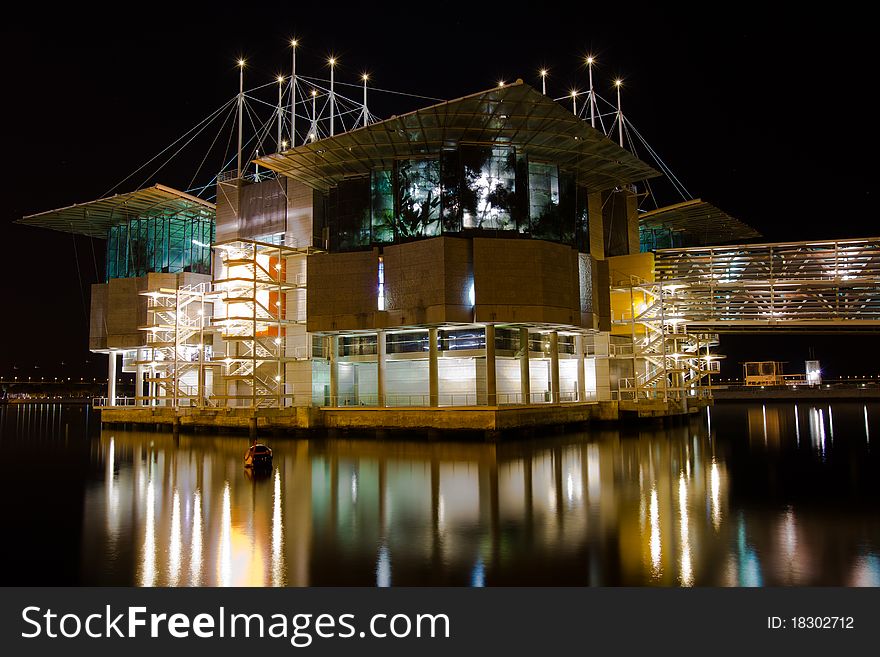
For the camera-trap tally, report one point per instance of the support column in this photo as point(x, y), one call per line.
point(111, 378)
point(525, 383)
point(491, 386)
point(433, 369)
point(139, 380)
point(334, 370)
point(554, 366)
point(381, 357)
point(582, 374)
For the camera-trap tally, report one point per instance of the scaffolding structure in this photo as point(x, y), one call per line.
point(797, 285)
point(259, 317)
point(177, 352)
point(670, 362)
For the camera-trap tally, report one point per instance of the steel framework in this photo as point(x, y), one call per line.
point(260, 314)
point(670, 362)
point(827, 285)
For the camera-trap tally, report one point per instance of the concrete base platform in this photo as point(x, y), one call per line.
point(487, 419)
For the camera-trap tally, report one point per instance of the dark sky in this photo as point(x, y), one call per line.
point(765, 114)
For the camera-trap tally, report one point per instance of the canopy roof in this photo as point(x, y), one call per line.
point(516, 114)
point(703, 223)
point(96, 217)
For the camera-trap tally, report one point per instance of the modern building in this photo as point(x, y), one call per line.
point(482, 254)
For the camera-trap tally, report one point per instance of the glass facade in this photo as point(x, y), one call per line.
point(169, 244)
point(418, 198)
point(488, 190)
point(465, 190)
point(651, 239)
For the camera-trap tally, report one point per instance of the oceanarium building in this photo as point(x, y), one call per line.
point(479, 254)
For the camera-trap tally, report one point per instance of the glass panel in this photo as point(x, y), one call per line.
point(450, 184)
point(353, 214)
point(170, 244)
point(382, 207)
point(418, 186)
point(488, 193)
point(582, 221)
point(567, 206)
point(544, 200)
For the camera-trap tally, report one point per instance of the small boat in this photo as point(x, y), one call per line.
point(258, 456)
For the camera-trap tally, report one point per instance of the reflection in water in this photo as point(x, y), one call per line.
point(734, 497)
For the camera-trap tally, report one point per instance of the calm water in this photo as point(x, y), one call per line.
point(743, 495)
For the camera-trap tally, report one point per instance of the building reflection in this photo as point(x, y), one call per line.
point(651, 507)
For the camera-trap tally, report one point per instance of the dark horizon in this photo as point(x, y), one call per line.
point(746, 113)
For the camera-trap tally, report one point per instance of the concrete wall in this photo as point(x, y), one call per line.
point(521, 281)
point(119, 309)
point(304, 206)
point(343, 291)
point(428, 282)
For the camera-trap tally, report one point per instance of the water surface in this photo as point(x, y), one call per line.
point(742, 495)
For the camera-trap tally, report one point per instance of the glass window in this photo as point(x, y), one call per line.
point(353, 214)
point(450, 184)
point(382, 207)
point(171, 244)
point(418, 188)
point(488, 191)
point(544, 200)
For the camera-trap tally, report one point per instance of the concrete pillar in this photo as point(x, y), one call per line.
point(334, 370)
point(525, 384)
point(111, 378)
point(491, 387)
point(139, 380)
point(381, 358)
point(554, 366)
point(582, 374)
point(433, 369)
point(603, 370)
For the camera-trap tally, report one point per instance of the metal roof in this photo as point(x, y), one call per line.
point(703, 223)
point(516, 114)
point(96, 217)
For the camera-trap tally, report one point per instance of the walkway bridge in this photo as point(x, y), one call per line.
point(823, 286)
point(674, 320)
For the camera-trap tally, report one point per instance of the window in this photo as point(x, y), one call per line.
point(488, 190)
point(418, 188)
point(382, 207)
point(544, 199)
point(381, 295)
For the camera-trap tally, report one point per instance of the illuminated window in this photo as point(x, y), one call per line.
point(382, 207)
point(418, 188)
point(381, 295)
point(488, 193)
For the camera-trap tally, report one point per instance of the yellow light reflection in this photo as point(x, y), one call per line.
point(654, 515)
point(715, 488)
point(277, 534)
point(224, 564)
point(195, 551)
point(687, 575)
point(175, 548)
point(148, 565)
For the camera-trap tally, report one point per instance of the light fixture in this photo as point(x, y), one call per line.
point(241, 63)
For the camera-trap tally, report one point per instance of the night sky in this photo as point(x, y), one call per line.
point(766, 115)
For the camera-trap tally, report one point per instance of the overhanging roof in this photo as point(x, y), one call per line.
point(516, 114)
point(703, 223)
point(96, 217)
